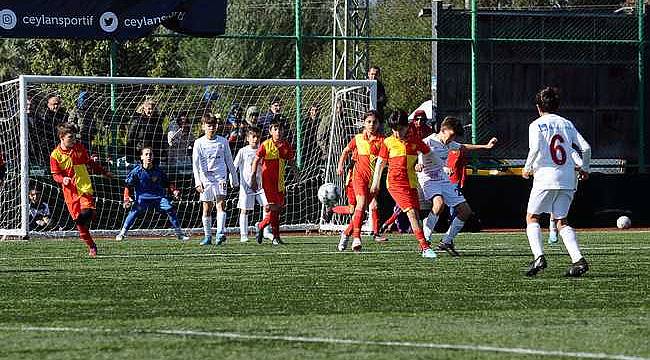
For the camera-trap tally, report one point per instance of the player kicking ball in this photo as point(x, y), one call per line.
point(69, 163)
point(436, 186)
point(553, 162)
point(401, 153)
point(212, 163)
point(149, 184)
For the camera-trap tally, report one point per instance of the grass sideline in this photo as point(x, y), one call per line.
point(144, 299)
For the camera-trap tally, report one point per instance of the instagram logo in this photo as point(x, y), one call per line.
point(7, 19)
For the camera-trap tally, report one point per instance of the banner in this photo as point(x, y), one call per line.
point(109, 19)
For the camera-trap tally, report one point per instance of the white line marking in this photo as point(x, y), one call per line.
point(322, 340)
point(295, 253)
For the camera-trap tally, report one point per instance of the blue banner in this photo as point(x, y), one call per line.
point(109, 19)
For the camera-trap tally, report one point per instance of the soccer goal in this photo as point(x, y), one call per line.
point(116, 116)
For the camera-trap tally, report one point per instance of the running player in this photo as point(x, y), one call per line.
point(553, 163)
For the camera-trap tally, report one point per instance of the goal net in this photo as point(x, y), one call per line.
point(117, 116)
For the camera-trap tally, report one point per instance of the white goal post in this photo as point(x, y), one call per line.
point(106, 109)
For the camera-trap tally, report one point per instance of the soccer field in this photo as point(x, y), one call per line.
point(146, 299)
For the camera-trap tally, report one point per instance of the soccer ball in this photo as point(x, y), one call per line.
point(329, 194)
point(623, 222)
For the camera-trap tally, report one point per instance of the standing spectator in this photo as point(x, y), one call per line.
point(146, 129)
point(374, 73)
point(180, 140)
point(45, 125)
point(39, 212)
point(264, 121)
point(418, 126)
point(85, 120)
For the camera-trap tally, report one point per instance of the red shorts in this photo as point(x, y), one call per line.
point(405, 197)
point(361, 188)
point(274, 197)
point(82, 202)
point(349, 192)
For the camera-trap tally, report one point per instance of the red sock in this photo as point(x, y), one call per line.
point(265, 221)
point(391, 220)
point(374, 215)
point(343, 210)
point(84, 234)
point(348, 230)
point(275, 223)
point(419, 236)
point(357, 219)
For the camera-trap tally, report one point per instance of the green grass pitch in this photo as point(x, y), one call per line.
point(161, 299)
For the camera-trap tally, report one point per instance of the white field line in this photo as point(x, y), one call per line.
point(335, 341)
point(296, 253)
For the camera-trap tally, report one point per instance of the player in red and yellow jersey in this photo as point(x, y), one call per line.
point(273, 153)
point(366, 147)
point(404, 155)
point(69, 163)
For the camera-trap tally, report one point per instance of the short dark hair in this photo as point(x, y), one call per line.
point(374, 113)
point(548, 99)
point(180, 118)
point(65, 129)
point(144, 148)
point(277, 122)
point(375, 67)
point(275, 99)
point(254, 130)
point(453, 123)
point(209, 119)
point(398, 119)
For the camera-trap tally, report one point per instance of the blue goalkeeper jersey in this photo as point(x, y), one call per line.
point(148, 183)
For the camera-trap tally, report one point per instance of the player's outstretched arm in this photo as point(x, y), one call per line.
point(487, 146)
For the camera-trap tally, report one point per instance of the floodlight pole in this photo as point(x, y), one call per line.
point(298, 34)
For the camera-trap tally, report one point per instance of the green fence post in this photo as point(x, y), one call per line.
point(474, 71)
point(640, 7)
point(112, 141)
point(298, 34)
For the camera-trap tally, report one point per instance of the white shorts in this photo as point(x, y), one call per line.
point(247, 199)
point(451, 193)
point(212, 190)
point(555, 202)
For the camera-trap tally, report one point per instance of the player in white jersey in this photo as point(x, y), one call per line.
point(247, 197)
point(553, 162)
point(211, 164)
point(435, 183)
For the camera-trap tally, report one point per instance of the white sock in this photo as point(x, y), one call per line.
point(429, 225)
point(207, 225)
point(455, 227)
point(552, 227)
point(221, 221)
point(243, 224)
point(570, 243)
point(534, 233)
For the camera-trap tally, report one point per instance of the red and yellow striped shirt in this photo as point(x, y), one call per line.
point(73, 163)
point(367, 150)
point(402, 155)
point(274, 155)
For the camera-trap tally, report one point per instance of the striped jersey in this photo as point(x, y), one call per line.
point(402, 155)
point(274, 155)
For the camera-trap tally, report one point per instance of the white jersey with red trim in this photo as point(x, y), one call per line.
point(552, 157)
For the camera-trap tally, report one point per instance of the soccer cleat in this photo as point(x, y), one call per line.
point(552, 237)
point(277, 241)
point(356, 244)
point(268, 234)
point(243, 239)
point(206, 241)
point(221, 238)
point(92, 251)
point(182, 237)
point(120, 237)
point(380, 238)
point(449, 248)
point(343, 243)
point(259, 235)
point(384, 228)
point(429, 254)
point(536, 266)
point(577, 268)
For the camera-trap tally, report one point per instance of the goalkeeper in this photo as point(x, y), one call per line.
point(149, 183)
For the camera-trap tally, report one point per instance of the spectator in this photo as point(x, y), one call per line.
point(374, 73)
point(264, 121)
point(418, 126)
point(252, 115)
point(45, 125)
point(146, 129)
point(39, 212)
point(180, 140)
point(310, 152)
point(236, 128)
point(85, 120)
